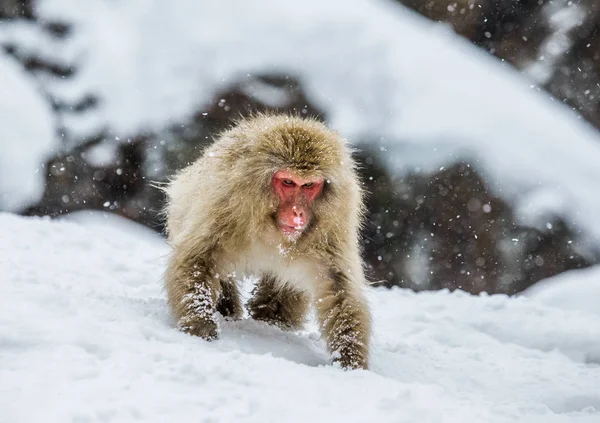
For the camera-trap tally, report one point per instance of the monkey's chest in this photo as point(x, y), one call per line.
point(261, 259)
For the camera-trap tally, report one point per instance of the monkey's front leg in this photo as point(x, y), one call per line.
point(345, 321)
point(192, 291)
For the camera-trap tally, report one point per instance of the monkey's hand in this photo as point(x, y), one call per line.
point(205, 328)
point(345, 323)
point(199, 317)
point(348, 349)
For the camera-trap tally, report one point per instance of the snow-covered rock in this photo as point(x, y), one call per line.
point(26, 136)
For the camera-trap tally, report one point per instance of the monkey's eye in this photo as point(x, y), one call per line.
point(288, 182)
point(308, 184)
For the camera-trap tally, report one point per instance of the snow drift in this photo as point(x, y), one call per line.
point(85, 336)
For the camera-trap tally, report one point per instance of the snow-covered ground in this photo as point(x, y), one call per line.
point(575, 290)
point(85, 336)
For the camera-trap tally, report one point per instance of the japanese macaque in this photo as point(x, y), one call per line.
point(277, 197)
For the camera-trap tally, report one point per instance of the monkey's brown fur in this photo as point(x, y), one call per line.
point(221, 220)
point(280, 305)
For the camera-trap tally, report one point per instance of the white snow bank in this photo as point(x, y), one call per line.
point(85, 336)
point(26, 137)
point(573, 290)
point(377, 69)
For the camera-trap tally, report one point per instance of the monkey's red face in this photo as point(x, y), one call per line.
point(296, 197)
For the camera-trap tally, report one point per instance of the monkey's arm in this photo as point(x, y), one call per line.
point(344, 319)
point(192, 291)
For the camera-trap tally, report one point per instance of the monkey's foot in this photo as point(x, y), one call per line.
point(282, 307)
point(230, 305)
point(273, 314)
point(230, 308)
point(269, 316)
point(205, 328)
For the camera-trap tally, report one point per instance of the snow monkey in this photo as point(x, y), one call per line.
point(277, 197)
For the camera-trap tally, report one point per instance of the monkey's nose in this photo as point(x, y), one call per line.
point(298, 217)
point(298, 213)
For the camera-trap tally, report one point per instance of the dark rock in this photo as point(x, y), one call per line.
point(57, 29)
point(518, 31)
point(465, 16)
point(73, 184)
point(253, 94)
point(33, 63)
point(127, 186)
point(448, 230)
point(15, 9)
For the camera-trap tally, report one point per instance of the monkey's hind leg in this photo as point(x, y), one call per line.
point(229, 304)
point(278, 305)
point(345, 321)
point(192, 292)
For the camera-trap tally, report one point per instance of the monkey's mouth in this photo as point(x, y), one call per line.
point(291, 230)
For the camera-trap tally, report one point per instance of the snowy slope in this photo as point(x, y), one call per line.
point(85, 336)
point(575, 290)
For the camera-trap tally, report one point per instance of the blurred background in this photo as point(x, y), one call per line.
point(475, 121)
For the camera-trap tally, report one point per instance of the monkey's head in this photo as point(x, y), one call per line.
point(285, 176)
point(311, 175)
